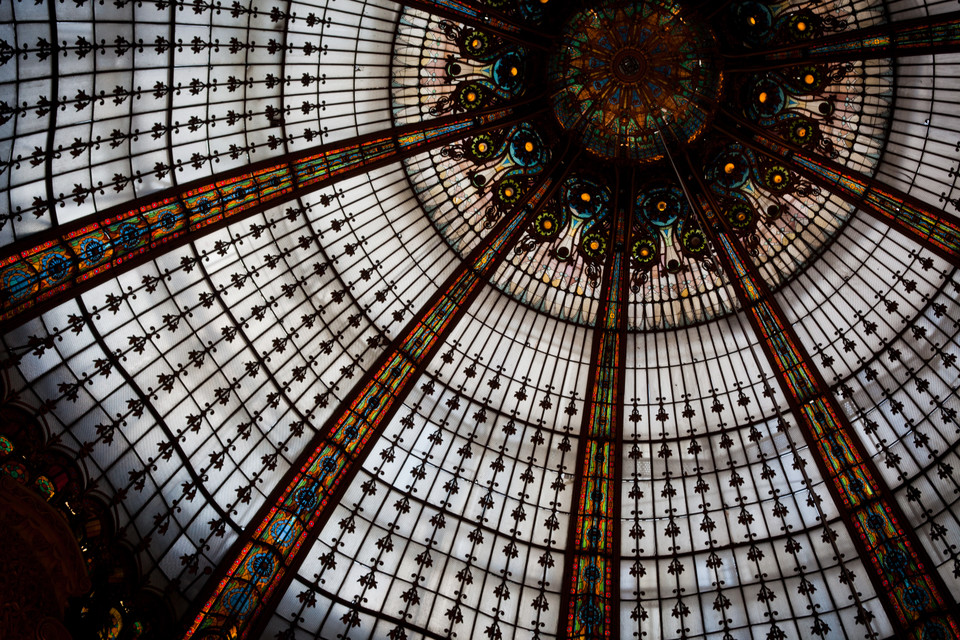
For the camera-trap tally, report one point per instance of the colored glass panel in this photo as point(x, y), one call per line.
point(930, 227)
point(57, 264)
point(592, 583)
point(620, 67)
point(261, 564)
point(908, 579)
point(922, 223)
point(908, 39)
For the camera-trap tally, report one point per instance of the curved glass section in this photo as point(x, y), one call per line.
point(678, 81)
point(190, 381)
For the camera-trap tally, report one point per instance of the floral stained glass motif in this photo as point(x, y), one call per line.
point(189, 374)
point(621, 67)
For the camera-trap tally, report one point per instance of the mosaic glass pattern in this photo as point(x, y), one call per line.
point(592, 566)
point(822, 106)
point(261, 563)
point(88, 251)
point(915, 593)
point(780, 468)
point(620, 67)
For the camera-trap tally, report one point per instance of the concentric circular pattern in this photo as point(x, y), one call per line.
point(660, 60)
point(625, 72)
point(170, 401)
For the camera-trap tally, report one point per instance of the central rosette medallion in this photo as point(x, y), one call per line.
point(627, 73)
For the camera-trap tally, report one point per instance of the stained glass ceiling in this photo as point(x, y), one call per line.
point(523, 320)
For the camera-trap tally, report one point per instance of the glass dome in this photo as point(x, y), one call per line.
point(501, 319)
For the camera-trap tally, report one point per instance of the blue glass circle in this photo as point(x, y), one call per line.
point(129, 235)
point(56, 266)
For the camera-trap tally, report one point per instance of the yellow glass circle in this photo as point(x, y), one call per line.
point(528, 146)
point(729, 167)
point(585, 196)
point(762, 97)
point(594, 245)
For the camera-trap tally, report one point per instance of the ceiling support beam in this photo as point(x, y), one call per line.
point(56, 265)
point(480, 16)
point(933, 229)
point(256, 572)
point(921, 36)
point(590, 600)
point(916, 599)
point(707, 9)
